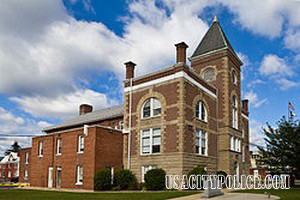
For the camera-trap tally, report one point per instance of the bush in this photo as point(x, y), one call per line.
point(102, 180)
point(224, 174)
point(155, 179)
point(199, 170)
point(125, 179)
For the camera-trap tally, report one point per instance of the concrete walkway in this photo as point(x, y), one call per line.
point(230, 196)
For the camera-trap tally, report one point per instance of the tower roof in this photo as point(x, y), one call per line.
point(214, 39)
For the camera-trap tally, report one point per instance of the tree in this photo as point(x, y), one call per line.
point(15, 147)
point(282, 147)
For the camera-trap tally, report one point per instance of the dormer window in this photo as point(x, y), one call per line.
point(151, 108)
point(201, 112)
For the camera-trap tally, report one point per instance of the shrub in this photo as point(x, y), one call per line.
point(124, 179)
point(155, 179)
point(224, 174)
point(199, 170)
point(102, 180)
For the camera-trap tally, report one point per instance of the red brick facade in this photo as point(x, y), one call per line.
point(102, 148)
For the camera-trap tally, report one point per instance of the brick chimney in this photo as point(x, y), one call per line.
point(181, 52)
point(130, 69)
point(245, 105)
point(85, 108)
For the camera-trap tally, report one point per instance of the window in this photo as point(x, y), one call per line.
point(9, 165)
point(201, 142)
point(26, 174)
point(234, 112)
point(201, 111)
point(243, 132)
point(145, 169)
point(150, 141)
point(79, 175)
point(235, 144)
point(9, 174)
point(151, 108)
point(40, 148)
point(243, 153)
point(80, 143)
point(233, 76)
point(208, 74)
point(3, 173)
point(26, 157)
point(58, 146)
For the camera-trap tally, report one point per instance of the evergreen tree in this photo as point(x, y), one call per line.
point(282, 152)
point(15, 147)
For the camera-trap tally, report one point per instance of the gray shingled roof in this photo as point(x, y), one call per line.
point(97, 115)
point(214, 39)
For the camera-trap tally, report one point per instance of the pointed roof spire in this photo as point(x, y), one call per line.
point(214, 39)
point(215, 19)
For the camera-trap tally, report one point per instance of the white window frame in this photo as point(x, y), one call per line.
point(26, 157)
point(152, 99)
point(58, 146)
point(243, 153)
point(151, 136)
point(80, 148)
point(200, 138)
point(234, 112)
point(235, 144)
point(9, 174)
point(79, 176)
point(199, 106)
point(234, 77)
point(41, 148)
point(145, 169)
point(26, 174)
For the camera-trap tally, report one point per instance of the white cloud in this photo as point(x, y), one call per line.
point(274, 65)
point(254, 99)
point(13, 125)
point(286, 84)
point(292, 40)
point(63, 106)
point(253, 83)
point(256, 134)
point(265, 17)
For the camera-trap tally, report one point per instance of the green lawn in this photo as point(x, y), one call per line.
point(17, 194)
point(293, 193)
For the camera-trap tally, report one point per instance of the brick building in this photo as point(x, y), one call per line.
point(71, 153)
point(183, 116)
point(9, 167)
point(176, 118)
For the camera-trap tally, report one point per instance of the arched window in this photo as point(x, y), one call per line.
point(201, 112)
point(209, 74)
point(234, 112)
point(151, 108)
point(233, 76)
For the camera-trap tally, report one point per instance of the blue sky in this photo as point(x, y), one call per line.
point(55, 55)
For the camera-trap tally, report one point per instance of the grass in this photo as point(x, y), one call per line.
point(17, 194)
point(292, 193)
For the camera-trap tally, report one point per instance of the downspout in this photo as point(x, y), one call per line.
point(129, 128)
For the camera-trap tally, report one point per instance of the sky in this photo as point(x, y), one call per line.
point(56, 55)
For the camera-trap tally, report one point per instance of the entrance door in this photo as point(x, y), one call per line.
point(50, 177)
point(58, 177)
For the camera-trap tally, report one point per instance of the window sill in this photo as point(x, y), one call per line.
point(80, 152)
point(151, 154)
point(152, 117)
point(197, 154)
point(40, 156)
point(79, 183)
point(200, 120)
point(26, 163)
point(58, 154)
